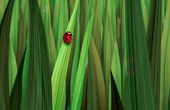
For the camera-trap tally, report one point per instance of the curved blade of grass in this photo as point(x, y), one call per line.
point(92, 100)
point(165, 62)
point(25, 76)
point(141, 95)
point(61, 65)
point(3, 5)
point(98, 77)
point(24, 8)
point(154, 35)
point(46, 16)
point(63, 21)
point(116, 101)
point(4, 55)
point(14, 26)
point(12, 67)
point(116, 68)
point(23, 45)
point(79, 81)
point(56, 19)
point(145, 10)
point(15, 97)
point(13, 45)
point(108, 41)
point(115, 64)
point(76, 58)
point(60, 22)
point(38, 82)
point(98, 26)
point(21, 41)
point(122, 48)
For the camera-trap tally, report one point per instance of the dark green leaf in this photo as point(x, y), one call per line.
point(15, 98)
point(154, 33)
point(141, 95)
point(38, 81)
point(4, 54)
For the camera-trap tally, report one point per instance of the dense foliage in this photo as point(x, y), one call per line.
point(118, 58)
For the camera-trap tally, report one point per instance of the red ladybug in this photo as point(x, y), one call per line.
point(67, 37)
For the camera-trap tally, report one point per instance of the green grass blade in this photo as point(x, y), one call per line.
point(13, 45)
point(138, 60)
point(63, 21)
point(145, 10)
point(116, 68)
point(99, 83)
point(154, 35)
point(98, 26)
point(4, 55)
point(79, 81)
point(61, 65)
point(107, 50)
point(22, 38)
point(116, 100)
point(3, 5)
point(60, 22)
point(25, 77)
point(92, 100)
point(38, 82)
point(14, 26)
point(15, 97)
point(165, 62)
point(46, 16)
point(12, 67)
point(75, 59)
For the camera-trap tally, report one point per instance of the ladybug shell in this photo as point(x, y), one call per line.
point(67, 37)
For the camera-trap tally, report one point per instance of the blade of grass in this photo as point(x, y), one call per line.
point(46, 16)
point(108, 41)
point(124, 58)
point(165, 62)
point(99, 83)
point(60, 22)
point(141, 95)
point(145, 10)
point(56, 19)
point(14, 26)
point(13, 45)
point(83, 18)
point(92, 102)
point(122, 48)
point(63, 21)
point(75, 59)
point(98, 26)
point(154, 35)
point(3, 5)
point(116, 101)
point(4, 55)
point(25, 76)
point(61, 65)
point(84, 93)
point(21, 41)
point(15, 97)
point(116, 69)
point(79, 81)
point(38, 82)
point(12, 67)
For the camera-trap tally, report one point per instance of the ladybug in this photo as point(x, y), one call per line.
point(67, 37)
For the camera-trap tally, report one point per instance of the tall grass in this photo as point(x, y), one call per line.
point(118, 59)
